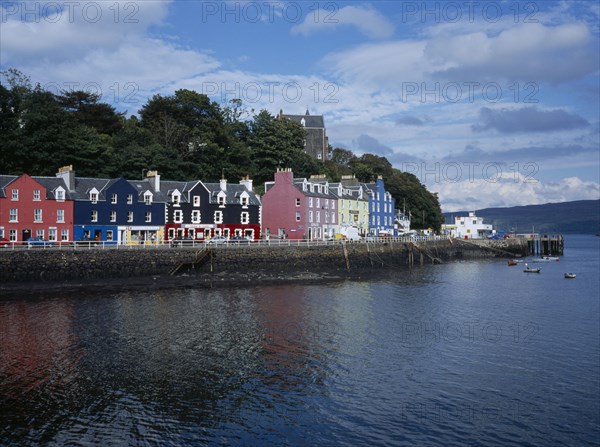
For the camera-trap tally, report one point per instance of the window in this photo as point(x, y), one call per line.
point(148, 198)
point(245, 217)
point(318, 216)
point(94, 197)
point(13, 215)
point(148, 216)
point(178, 216)
point(176, 199)
point(60, 194)
point(310, 202)
point(244, 200)
point(196, 216)
point(218, 216)
point(94, 216)
point(12, 235)
point(129, 216)
point(310, 216)
point(37, 215)
point(297, 216)
point(196, 200)
point(15, 194)
point(64, 235)
point(39, 234)
point(221, 200)
point(318, 203)
point(298, 201)
point(36, 195)
point(113, 216)
point(52, 234)
point(60, 216)
point(333, 218)
point(109, 235)
point(129, 199)
point(113, 198)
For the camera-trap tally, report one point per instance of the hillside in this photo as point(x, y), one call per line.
point(581, 216)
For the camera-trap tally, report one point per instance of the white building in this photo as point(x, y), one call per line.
point(470, 227)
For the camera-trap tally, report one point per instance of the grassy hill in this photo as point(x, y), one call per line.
point(581, 216)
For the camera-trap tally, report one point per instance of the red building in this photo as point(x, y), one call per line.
point(35, 207)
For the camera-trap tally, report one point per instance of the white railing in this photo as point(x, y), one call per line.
point(184, 244)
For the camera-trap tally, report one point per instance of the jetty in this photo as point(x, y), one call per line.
point(544, 244)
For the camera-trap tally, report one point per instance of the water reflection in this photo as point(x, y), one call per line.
point(396, 360)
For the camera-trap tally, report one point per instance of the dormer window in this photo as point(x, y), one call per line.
point(244, 200)
point(60, 194)
point(176, 198)
point(94, 195)
point(221, 198)
point(148, 198)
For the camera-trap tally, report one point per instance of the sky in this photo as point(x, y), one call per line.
point(488, 103)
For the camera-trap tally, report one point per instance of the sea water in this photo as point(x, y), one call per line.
point(463, 353)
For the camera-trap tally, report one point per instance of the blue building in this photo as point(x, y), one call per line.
point(116, 210)
point(381, 209)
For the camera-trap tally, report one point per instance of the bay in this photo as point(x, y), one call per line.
point(464, 353)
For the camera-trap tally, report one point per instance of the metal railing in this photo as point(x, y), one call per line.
point(196, 244)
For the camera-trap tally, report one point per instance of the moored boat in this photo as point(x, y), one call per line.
point(546, 259)
point(570, 275)
point(532, 270)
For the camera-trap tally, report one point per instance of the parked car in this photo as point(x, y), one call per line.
point(218, 240)
point(4, 242)
point(239, 240)
point(184, 241)
point(38, 241)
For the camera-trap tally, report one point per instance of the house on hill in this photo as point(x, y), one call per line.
point(317, 142)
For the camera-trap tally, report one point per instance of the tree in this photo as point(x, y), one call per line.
point(88, 111)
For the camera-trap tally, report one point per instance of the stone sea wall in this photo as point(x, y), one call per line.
point(53, 264)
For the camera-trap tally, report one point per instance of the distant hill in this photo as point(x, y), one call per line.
point(581, 216)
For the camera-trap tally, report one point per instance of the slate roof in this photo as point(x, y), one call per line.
point(4, 181)
point(233, 193)
point(310, 121)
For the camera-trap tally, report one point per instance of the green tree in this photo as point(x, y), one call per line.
point(88, 111)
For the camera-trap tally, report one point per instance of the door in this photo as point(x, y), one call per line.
point(26, 235)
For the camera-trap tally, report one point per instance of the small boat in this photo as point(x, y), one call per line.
point(532, 270)
point(512, 262)
point(546, 259)
point(570, 275)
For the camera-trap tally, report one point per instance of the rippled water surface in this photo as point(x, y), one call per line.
point(465, 353)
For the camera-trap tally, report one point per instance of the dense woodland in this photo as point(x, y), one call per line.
point(183, 136)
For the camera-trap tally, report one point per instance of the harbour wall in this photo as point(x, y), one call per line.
point(54, 264)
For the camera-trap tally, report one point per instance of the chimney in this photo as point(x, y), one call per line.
point(284, 176)
point(247, 182)
point(223, 183)
point(68, 175)
point(154, 180)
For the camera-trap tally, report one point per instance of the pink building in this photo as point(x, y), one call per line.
point(298, 208)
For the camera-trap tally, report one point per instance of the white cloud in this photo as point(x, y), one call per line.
point(511, 191)
point(368, 21)
point(43, 31)
point(526, 52)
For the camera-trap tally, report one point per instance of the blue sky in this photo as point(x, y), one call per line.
point(488, 103)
